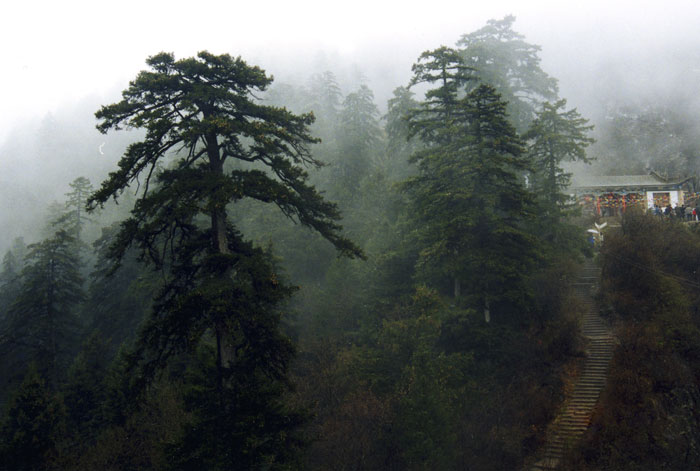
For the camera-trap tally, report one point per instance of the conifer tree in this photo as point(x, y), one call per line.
point(76, 201)
point(9, 281)
point(84, 390)
point(503, 59)
point(209, 144)
point(32, 427)
point(42, 319)
point(117, 300)
point(445, 70)
point(325, 98)
point(358, 137)
point(399, 144)
point(470, 206)
point(556, 136)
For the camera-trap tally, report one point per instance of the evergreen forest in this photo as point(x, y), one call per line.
point(277, 275)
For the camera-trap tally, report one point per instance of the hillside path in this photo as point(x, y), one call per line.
point(569, 426)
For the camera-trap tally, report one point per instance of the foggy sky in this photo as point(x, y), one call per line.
point(61, 60)
point(55, 53)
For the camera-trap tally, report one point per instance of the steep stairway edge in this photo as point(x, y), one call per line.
point(573, 420)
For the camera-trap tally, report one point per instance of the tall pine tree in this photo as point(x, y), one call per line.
point(216, 145)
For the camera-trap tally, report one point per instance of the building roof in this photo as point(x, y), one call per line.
point(622, 182)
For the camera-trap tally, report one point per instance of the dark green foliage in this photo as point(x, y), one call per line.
point(244, 306)
point(395, 376)
point(9, 280)
point(84, 392)
point(556, 136)
point(122, 390)
point(32, 427)
point(324, 98)
point(212, 120)
point(42, 319)
point(433, 119)
point(648, 416)
point(501, 58)
point(242, 425)
point(432, 387)
point(118, 300)
point(138, 440)
point(219, 291)
point(203, 106)
point(10, 283)
point(396, 394)
point(469, 203)
point(10, 271)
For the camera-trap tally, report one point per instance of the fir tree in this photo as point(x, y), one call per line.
point(503, 59)
point(556, 136)
point(76, 201)
point(42, 319)
point(469, 204)
point(117, 300)
point(433, 118)
point(359, 136)
point(325, 98)
point(399, 144)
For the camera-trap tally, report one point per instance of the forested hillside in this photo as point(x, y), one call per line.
point(277, 275)
point(647, 418)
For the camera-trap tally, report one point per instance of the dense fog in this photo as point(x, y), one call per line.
point(308, 235)
point(606, 58)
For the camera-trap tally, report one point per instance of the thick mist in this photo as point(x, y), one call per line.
point(380, 242)
point(608, 61)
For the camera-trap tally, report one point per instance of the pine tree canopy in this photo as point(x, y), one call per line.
point(200, 114)
point(210, 142)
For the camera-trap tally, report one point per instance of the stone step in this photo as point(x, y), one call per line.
point(590, 384)
point(573, 426)
point(574, 423)
point(584, 402)
point(575, 417)
point(591, 379)
point(584, 393)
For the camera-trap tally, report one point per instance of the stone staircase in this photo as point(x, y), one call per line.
point(573, 421)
